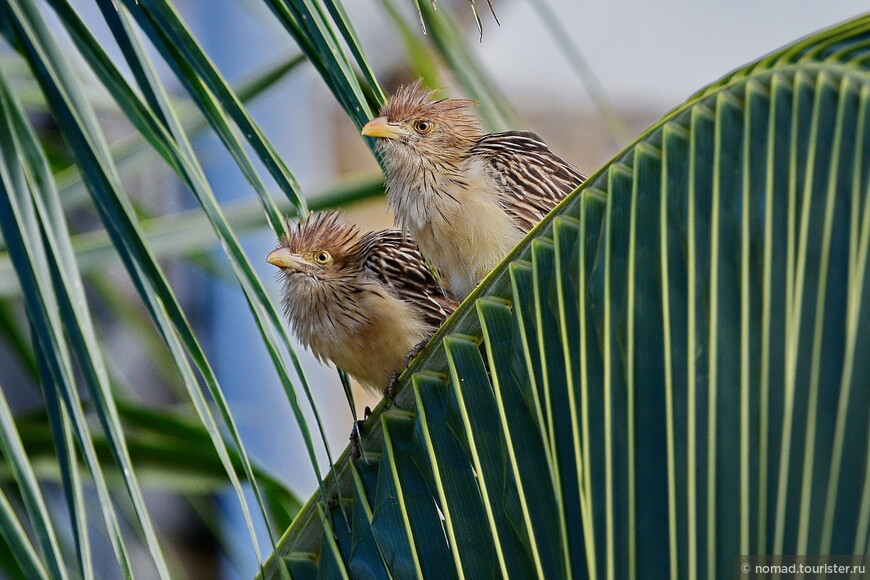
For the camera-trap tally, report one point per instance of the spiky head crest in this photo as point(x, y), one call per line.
point(322, 232)
point(321, 273)
point(412, 101)
point(440, 129)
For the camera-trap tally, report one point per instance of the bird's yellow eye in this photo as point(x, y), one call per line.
point(322, 257)
point(423, 126)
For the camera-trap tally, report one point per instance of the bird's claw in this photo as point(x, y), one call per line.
point(415, 350)
point(392, 389)
point(354, 440)
point(393, 385)
point(356, 450)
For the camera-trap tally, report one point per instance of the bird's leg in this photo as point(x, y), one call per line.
point(356, 448)
point(392, 388)
point(415, 350)
point(354, 440)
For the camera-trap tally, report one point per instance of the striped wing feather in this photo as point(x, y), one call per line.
point(532, 178)
point(395, 262)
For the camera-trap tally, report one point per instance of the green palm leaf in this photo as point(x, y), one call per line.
point(671, 370)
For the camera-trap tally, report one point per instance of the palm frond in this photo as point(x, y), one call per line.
point(668, 371)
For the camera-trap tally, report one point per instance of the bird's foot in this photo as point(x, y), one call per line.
point(415, 350)
point(392, 389)
point(356, 448)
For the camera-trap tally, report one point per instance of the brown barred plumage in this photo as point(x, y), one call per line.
point(467, 198)
point(361, 301)
point(532, 179)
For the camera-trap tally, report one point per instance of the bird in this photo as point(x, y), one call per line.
point(362, 301)
point(466, 197)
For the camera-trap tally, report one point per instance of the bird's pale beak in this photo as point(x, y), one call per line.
point(379, 127)
point(284, 258)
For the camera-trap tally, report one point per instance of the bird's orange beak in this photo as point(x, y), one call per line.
point(284, 258)
point(379, 127)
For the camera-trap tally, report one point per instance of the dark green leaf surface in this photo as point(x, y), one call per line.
point(366, 561)
point(442, 458)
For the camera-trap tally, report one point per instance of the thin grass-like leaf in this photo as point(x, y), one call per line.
point(20, 226)
point(160, 20)
point(342, 22)
point(260, 305)
point(168, 450)
point(315, 34)
point(19, 544)
point(121, 453)
point(13, 451)
point(70, 475)
point(11, 329)
point(187, 233)
point(140, 112)
point(195, 177)
point(134, 153)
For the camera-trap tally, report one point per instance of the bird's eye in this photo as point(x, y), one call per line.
point(423, 126)
point(322, 257)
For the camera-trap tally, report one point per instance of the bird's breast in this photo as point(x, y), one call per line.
point(467, 233)
point(371, 345)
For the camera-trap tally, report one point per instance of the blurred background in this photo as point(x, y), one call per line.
point(587, 76)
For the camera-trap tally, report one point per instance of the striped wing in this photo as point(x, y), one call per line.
point(532, 178)
point(395, 262)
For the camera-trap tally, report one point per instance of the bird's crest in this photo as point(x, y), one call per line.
point(413, 101)
point(320, 231)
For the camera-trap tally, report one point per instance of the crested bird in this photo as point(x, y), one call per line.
point(465, 196)
point(362, 301)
